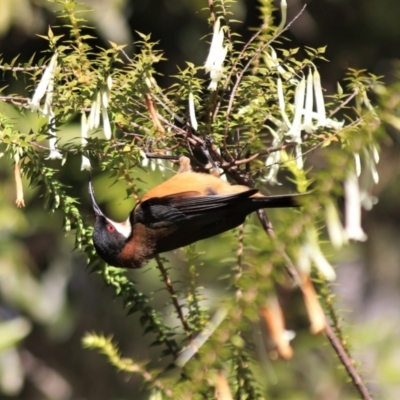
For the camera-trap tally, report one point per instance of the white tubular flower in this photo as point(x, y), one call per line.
point(105, 97)
point(273, 159)
point(337, 234)
point(308, 110)
point(100, 106)
point(272, 162)
point(46, 85)
point(84, 131)
point(313, 251)
point(145, 160)
point(106, 124)
point(85, 164)
point(192, 112)
point(367, 199)
point(375, 153)
point(49, 92)
point(160, 164)
point(353, 227)
point(357, 162)
point(54, 152)
point(313, 87)
point(216, 56)
point(303, 261)
point(321, 112)
point(281, 101)
point(319, 98)
point(303, 114)
point(299, 102)
point(284, 15)
point(369, 176)
point(371, 159)
point(366, 171)
point(296, 127)
point(97, 109)
point(271, 60)
point(109, 82)
point(94, 116)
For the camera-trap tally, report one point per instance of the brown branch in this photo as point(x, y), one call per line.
point(264, 153)
point(238, 270)
point(269, 229)
point(336, 344)
point(212, 11)
point(347, 362)
point(18, 69)
point(174, 296)
point(153, 114)
point(354, 94)
point(17, 101)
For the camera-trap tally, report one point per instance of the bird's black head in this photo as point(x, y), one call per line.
point(109, 237)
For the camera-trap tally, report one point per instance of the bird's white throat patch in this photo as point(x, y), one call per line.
point(124, 228)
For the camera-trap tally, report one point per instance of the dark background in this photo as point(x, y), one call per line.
point(47, 283)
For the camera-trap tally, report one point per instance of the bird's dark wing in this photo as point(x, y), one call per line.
point(178, 220)
point(181, 219)
point(185, 208)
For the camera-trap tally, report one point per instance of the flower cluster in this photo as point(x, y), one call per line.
point(46, 87)
point(98, 106)
point(304, 117)
point(216, 56)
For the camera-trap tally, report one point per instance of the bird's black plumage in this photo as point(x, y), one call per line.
point(168, 218)
point(193, 218)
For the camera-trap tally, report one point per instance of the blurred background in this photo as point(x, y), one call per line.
point(49, 299)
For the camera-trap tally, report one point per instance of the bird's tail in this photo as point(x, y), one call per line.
point(279, 201)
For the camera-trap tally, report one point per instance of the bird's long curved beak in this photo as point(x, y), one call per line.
point(96, 208)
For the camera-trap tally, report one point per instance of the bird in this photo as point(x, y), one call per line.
point(188, 207)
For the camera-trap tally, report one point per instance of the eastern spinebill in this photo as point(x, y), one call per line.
point(188, 207)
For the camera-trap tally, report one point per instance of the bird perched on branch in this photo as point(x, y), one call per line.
point(188, 207)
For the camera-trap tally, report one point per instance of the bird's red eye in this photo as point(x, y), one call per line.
point(110, 228)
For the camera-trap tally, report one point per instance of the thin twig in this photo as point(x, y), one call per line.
point(337, 345)
point(347, 362)
point(269, 229)
point(351, 97)
point(238, 270)
point(174, 296)
point(18, 69)
point(212, 11)
point(264, 153)
point(257, 53)
point(17, 101)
